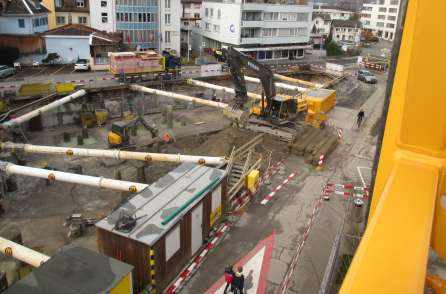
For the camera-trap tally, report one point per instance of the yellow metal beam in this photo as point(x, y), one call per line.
point(408, 210)
point(392, 255)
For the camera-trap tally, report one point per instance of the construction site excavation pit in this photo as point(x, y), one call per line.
point(51, 214)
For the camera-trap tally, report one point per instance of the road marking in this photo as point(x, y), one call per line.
point(58, 70)
point(255, 269)
point(278, 188)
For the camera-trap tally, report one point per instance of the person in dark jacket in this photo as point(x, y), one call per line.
point(238, 283)
point(229, 277)
point(360, 118)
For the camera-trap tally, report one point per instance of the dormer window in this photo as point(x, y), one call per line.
point(80, 3)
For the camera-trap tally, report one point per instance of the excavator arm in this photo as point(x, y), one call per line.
point(237, 60)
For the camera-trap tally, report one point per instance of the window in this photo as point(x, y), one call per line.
point(393, 10)
point(207, 26)
point(364, 15)
point(212, 12)
point(82, 19)
point(103, 3)
point(167, 18)
point(382, 2)
point(60, 20)
point(167, 37)
point(104, 17)
point(379, 24)
point(58, 3)
point(269, 32)
point(302, 16)
point(391, 17)
point(390, 26)
point(219, 14)
point(367, 22)
point(271, 16)
point(206, 12)
point(301, 31)
point(394, 2)
point(216, 28)
point(381, 16)
point(367, 8)
point(382, 9)
point(196, 15)
point(80, 3)
point(167, 4)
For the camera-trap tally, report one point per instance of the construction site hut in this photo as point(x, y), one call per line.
point(160, 229)
point(77, 270)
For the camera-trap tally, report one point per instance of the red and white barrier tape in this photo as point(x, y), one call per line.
point(278, 188)
point(244, 198)
point(338, 189)
point(196, 263)
point(286, 281)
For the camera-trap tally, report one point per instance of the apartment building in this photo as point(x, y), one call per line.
point(380, 17)
point(346, 32)
point(263, 30)
point(190, 19)
point(335, 12)
point(170, 23)
point(72, 12)
point(21, 23)
point(144, 24)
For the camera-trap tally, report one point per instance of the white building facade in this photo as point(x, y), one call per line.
point(170, 23)
point(346, 32)
point(380, 17)
point(264, 31)
point(333, 11)
point(144, 24)
point(190, 20)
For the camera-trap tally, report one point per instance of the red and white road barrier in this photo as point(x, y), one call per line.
point(286, 281)
point(187, 273)
point(278, 188)
point(340, 133)
point(340, 189)
point(246, 195)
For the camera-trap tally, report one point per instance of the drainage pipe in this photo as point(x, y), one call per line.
point(116, 154)
point(52, 175)
point(22, 253)
point(26, 117)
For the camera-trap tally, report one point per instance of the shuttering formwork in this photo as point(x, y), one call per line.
point(174, 218)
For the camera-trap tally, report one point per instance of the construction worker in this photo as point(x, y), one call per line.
point(360, 118)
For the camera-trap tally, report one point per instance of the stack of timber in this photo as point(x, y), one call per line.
point(313, 143)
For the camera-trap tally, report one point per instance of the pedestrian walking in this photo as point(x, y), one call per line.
point(360, 118)
point(238, 282)
point(229, 277)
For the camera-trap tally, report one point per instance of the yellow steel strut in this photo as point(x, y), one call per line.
point(408, 210)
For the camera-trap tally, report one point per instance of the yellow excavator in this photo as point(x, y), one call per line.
point(119, 135)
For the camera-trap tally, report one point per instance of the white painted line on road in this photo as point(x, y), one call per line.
point(358, 168)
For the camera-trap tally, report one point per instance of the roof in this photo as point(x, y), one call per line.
point(73, 270)
point(23, 7)
point(346, 23)
point(98, 37)
point(191, 1)
point(324, 16)
point(181, 188)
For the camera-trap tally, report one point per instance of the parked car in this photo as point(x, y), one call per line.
point(366, 76)
point(82, 64)
point(6, 71)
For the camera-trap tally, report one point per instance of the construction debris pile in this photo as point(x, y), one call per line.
point(314, 144)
